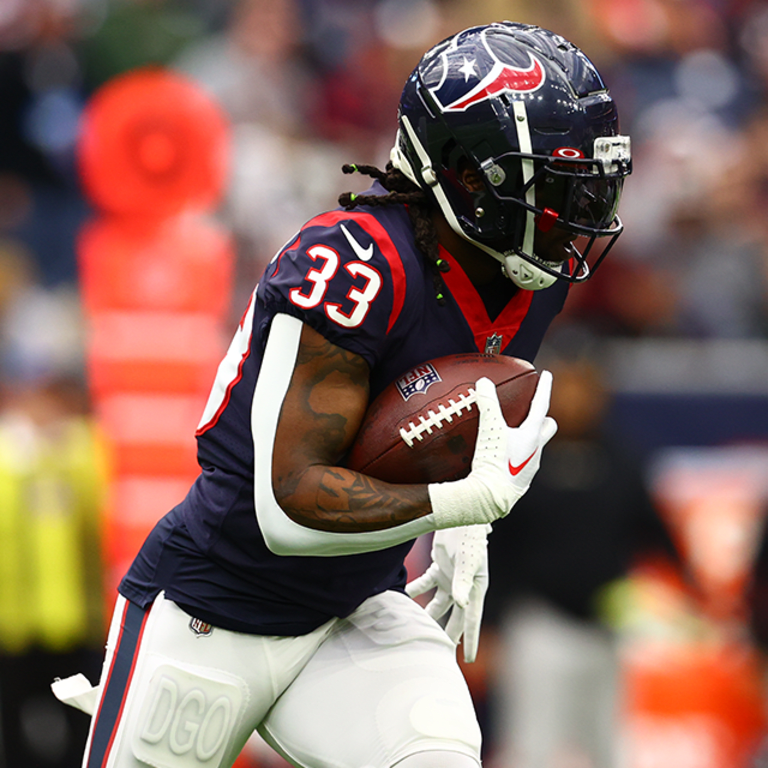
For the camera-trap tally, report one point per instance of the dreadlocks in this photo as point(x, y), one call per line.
point(402, 190)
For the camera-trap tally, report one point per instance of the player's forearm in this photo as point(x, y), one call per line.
point(340, 500)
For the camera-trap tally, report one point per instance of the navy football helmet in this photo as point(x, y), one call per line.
point(530, 113)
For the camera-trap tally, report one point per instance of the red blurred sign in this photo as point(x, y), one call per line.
point(153, 143)
point(156, 279)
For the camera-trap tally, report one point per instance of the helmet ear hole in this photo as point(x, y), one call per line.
point(471, 179)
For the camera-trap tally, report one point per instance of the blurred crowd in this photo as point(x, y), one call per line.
point(311, 84)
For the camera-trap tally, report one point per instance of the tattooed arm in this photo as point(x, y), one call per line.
point(320, 416)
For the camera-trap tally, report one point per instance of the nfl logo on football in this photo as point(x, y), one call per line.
point(417, 380)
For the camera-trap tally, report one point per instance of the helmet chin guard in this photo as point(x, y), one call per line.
point(529, 113)
point(524, 274)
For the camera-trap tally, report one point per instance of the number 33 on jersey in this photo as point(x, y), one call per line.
point(333, 282)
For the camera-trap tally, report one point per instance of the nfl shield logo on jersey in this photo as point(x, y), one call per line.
point(200, 627)
point(493, 344)
point(417, 380)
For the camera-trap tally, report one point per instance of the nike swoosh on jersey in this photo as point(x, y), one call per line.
point(515, 470)
point(364, 254)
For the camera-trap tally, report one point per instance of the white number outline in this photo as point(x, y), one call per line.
point(320, 277)
point(362, 298)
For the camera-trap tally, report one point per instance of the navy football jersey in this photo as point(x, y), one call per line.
point(357, 278)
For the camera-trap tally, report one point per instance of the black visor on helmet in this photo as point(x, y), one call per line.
point(574, 194)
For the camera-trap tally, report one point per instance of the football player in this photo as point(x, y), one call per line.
point(273, 596)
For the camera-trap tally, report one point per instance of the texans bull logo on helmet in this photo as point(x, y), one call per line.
point(485, 75)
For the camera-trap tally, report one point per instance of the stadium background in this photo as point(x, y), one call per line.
point(121, 349)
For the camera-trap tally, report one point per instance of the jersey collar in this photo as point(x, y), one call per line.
point(490, 335)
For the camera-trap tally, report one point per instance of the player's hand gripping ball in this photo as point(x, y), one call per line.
point(422, 428)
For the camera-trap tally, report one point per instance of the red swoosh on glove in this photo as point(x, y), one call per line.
point(515, 470)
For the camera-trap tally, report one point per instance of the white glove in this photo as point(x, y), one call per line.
point(459, 570)
point(504, 463)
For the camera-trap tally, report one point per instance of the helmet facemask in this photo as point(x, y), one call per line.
point(575, 194)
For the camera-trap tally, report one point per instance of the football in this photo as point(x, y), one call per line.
point(422, 428)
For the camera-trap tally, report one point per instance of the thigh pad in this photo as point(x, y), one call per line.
point(187, 717)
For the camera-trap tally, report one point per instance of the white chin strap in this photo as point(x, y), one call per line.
point(521, 272)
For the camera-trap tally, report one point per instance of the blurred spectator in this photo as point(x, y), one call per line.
point(51, 596)
point(694, 262)
point(254, 65)
point(690, 263)
point(115, 36)
point(582, 526)
point(41, 97)
point(40, 328)
point(273, 83)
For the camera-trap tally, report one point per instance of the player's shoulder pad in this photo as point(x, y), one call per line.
point(347, 266)
point(355, 235)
